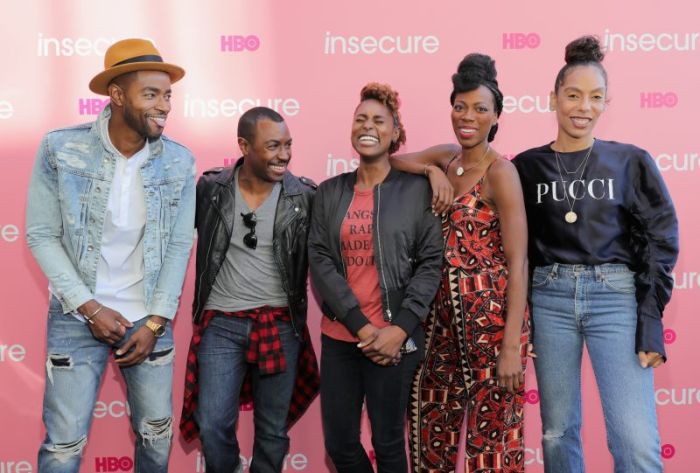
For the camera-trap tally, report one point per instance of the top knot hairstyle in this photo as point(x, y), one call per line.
point(583, 51)
point(384, 94)
point(473, 71)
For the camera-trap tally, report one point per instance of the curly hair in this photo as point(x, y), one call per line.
point(473, 71)
point(384, 94)
point(583, 51)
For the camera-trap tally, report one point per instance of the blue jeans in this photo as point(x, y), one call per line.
point(595, 305)
point(222, 369)
point(74, 367)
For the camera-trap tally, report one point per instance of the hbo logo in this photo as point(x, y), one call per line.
point(532, 396)
point(521, 40)
point(238, 43)
point(112, 464)
point(658, 99)
point(668, 451)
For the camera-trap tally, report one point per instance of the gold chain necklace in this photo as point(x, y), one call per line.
point(461, 170)
point(571, 216)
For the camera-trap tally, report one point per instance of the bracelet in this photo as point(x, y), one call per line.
point(91, 316)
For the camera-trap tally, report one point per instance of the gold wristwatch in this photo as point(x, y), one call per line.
point(157, 329)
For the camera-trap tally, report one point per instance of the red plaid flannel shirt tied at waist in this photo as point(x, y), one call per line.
point(265, 351)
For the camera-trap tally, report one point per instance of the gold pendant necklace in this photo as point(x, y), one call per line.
point(461, 170)
point(571, 216)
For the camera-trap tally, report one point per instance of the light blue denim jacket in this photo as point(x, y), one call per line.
point(67, 203)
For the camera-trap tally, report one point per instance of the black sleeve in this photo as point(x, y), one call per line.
point(426, 276)
point(657, 230)
point(201, 186)
point(327, 279)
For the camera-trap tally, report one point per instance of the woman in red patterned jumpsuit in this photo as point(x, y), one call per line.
point(476, 342)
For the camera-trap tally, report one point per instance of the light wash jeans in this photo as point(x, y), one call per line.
point(74, 367)
point(222, 369)
point(595, 305)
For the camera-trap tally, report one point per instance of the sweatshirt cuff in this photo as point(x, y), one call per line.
point(407, 320)
point(355, 320)
point(650, 335)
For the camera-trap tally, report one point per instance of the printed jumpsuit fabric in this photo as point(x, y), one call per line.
point(464, 333)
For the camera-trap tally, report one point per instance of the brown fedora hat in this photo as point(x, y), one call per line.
point(130, 55)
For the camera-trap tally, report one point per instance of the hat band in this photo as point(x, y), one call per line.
point(145, 58)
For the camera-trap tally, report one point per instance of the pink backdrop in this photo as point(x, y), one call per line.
point(309, 60)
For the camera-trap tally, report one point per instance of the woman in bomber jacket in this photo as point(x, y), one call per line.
point(375, 250)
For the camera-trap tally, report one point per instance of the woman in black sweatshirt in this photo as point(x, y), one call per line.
point(603, 243)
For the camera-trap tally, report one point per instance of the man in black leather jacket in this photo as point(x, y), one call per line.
point(250, 300)
point(214, 221)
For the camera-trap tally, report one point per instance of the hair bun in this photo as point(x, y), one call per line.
point(584, 49)
point(474, 71)
point(476, 67)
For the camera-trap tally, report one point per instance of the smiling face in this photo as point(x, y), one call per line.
point(578, 103)
point(373, 129)
point(473, 115)
point(270, 152)
point(144, 98)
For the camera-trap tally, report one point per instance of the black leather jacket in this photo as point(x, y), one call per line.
point(408, 249)
point(214, 223)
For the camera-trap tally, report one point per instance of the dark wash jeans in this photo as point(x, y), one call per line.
point(348, 378)
point(222, 369)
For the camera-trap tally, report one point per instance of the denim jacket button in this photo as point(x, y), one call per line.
point(90, 248)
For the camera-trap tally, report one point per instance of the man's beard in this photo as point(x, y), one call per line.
point(139, 123)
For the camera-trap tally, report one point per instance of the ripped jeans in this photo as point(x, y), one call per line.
point(74, 367)
point(595, 306)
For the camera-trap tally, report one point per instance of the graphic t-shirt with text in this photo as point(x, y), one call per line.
point(357, 249)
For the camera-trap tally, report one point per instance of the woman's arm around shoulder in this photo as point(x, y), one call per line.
point(431, 162)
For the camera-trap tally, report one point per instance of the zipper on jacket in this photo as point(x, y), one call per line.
point(340, 237)
point(387, 311)
point(285, 287)
point(280, 265)
point(204, 271)
point(215, 199)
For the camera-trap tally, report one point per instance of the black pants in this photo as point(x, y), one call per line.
point(348, 378)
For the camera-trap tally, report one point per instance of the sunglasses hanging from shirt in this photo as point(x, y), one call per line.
point(250, 239)
point(571, 216)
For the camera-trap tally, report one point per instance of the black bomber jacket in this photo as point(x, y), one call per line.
point(408, 248)
point(214, 222)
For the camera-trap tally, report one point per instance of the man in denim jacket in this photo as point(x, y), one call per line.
point(110, 217)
